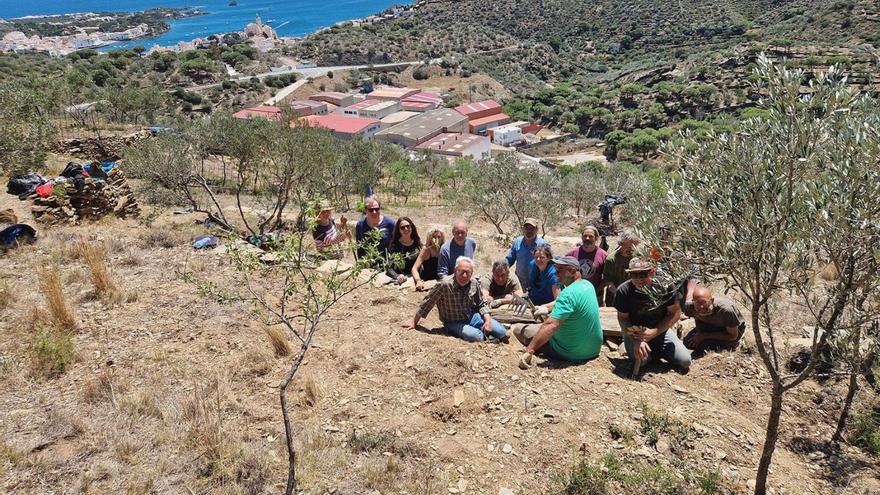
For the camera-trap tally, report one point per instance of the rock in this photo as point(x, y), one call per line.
point(505, 491)
point(507, 449)
point(680, 390)
point(458, 397)
point(462, 485)
point(662, 446)
point(750, 485)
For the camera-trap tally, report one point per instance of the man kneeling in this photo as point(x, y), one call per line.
point(573, 331)
point(460, 303)
point(719, 325)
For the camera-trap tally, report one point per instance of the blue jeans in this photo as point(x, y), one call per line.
point(472, 331)
point(667, 346)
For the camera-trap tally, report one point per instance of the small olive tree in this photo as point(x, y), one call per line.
point(295, 291)
point(745, 207)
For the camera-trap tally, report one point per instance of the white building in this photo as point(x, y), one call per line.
point(506, 135)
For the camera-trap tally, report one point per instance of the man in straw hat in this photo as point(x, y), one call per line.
point(645, 321)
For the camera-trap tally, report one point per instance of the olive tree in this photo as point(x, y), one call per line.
point(28, 131)
point(745, 206)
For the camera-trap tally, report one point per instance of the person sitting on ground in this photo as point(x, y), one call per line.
point(644, 322)
point(522, 251)
point(719, 324)
point(404, 242)
point(425, 266)
point(591, 258)
point(617, 261)
point(374, 220)
point(501, 287)
point(460, 303)
point(327, 237)
point(573, 331)
point(459, 245)
point(543, 284)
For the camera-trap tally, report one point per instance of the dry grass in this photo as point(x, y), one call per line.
point(311, 392)
point(164, 238)
point(7, 296)
point(278, 340)
point(225, 460)
point(50, 286)
point(94, 256)
point(141, 404)
point(102, 387)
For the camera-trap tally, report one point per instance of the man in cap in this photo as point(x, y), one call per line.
point(645, 313)
point(591, 258)
point(572, 331)
point(719, 324)
point(523, 249)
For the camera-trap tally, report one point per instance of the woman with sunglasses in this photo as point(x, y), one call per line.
point(374, 220)
point(543, 284)
point(425, 266)
point(406, 243)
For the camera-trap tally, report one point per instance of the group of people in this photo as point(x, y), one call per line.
point(564, 292)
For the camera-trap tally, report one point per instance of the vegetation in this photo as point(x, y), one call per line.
point(613, 474)
point(104, 22)
point(804, 177)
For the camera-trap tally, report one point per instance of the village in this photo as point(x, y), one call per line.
point(411, 118)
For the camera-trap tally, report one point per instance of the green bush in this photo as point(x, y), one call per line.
point(51, 351)
point(866, 429)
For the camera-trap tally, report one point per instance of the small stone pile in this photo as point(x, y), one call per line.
point(98, 198)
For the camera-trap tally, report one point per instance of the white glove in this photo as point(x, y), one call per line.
point(541, 311)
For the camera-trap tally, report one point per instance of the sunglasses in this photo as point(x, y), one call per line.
point(407, 227)
point(373, 210)
point(639, 275)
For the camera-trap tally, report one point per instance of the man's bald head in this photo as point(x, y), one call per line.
point(704, 302)
point(702, 292)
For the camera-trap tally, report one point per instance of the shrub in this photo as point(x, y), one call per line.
point(94, 257)
point(51, 351)
point(50, 286)
point(866, 429)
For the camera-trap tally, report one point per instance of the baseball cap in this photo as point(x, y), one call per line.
point(531, 221)
point(566, 261)
point(639, 265)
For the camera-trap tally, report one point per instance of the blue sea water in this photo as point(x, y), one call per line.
point(288, 17)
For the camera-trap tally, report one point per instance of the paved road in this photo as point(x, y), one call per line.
point(305, 73)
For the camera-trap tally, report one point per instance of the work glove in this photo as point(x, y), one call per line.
point(540, 311)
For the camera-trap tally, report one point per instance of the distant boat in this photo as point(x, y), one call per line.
point(233, 3)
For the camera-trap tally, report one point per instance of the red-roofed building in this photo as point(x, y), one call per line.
point(455, 144)
point(417, 106)
point(268, 113)
point(334, 98)
point(346, 126)
point(479, 109)
point(481, 125)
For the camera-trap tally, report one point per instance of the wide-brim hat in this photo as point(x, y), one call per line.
point(639, 265)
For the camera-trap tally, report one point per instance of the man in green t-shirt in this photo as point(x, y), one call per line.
point(572, 332)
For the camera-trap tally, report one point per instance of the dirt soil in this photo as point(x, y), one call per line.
point(173, 392)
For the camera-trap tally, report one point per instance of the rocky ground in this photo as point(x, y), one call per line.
point(173, 392)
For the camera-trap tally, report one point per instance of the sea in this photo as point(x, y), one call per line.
point(287, 17)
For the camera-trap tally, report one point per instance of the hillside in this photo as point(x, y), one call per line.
point(174, 392)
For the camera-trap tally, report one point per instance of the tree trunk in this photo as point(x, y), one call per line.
point(844, 413)
point(772, 435)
